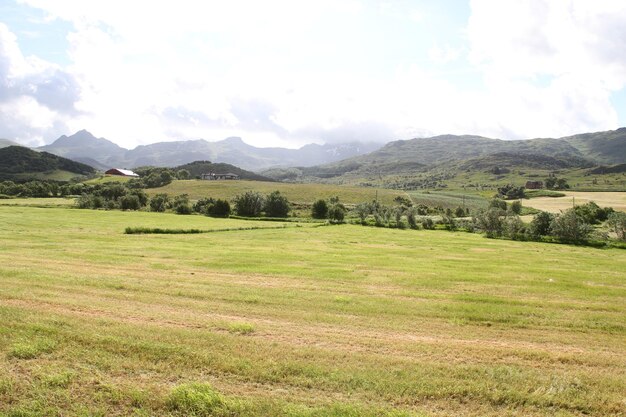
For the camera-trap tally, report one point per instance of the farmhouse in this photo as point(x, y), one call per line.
point(214, 176)
point(121, 172)
point(534, 185)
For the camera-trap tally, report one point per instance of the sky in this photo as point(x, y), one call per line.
point(289, 72)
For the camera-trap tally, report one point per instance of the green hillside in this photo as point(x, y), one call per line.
point(461, 162)
point(602, 147)
point(198, 168)
point(18, 162)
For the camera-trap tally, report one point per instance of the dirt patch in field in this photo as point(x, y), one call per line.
point(617, 200)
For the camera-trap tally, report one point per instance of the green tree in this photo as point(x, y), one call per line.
point(592, 213)
point(617, 224)
point(490, 222)
point(159, 202)
point(249, 204)
point(516, 207)
point(221, 208)
point(183, 174)
point(181, 204)
point(514, 228)
point(202, 205)
point(540, 225)
point(569, 227)
point(337, 212)
point(130, 202)
point(497, 203)
point(319, 210)
point(511, 192)
point(276, 205)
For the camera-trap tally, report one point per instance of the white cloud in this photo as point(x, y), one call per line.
point(36, 97)
point(576, 45)
point(286, 73)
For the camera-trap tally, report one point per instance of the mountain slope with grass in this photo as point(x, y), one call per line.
point(197, 168)
point(18, 162)
point(456, 154)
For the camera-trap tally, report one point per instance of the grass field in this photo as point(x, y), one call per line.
point(301, 321)
point(617, 200)
point(296, 193)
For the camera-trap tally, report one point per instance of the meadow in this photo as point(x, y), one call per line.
point(301, 320)
point(296, 193)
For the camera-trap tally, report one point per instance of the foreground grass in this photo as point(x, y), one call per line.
point(296, 193)
point(307, 321)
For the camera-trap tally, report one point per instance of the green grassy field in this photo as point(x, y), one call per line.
point(296, 193)
point(301, 321)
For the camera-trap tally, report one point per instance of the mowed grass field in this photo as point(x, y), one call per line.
point(301, 321)
point(295, 193)
point(617, 200)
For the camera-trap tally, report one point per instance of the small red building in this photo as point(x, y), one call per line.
point(534, 185)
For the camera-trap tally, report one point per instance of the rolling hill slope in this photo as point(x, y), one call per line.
point(466, 153)
point(18, 162)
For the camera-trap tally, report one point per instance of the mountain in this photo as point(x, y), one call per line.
point(6, 142)
point(84, 146)
point(198, 168)
point(18, 162)
point(458, 153)
point(602, 147)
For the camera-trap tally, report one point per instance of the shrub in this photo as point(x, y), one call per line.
point(516, 207)
point(337, 212)
point(448, 222)
point(195, 399)
point(554, 183)
point(511, 192)
point(130, 202)
point(568, 227)
point(203, 205)
point(159, 202)
point(183, 174)
point(249, 204)
point(319, 210)
point(428, 223)
point(617, 224)
point(540, 225)
point(181, 204)
point(497, 203)
point(490, 222)
point(141, 196)
point(591, 213)
point(411, 220)
point(221, 208)
point(459, 212)
point(276, 205)
point(514, 228)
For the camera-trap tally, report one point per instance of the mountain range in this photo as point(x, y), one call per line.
point(103, 154)
point(470, 153)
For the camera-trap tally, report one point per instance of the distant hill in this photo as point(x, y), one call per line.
point(84, 146)
point(18, 162)
point(470, 153)
point(602, 147)
point(198, 168)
